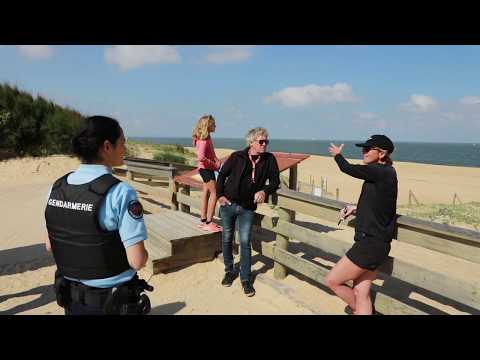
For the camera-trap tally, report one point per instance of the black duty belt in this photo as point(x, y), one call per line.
point(127, 298)
point(87, 295)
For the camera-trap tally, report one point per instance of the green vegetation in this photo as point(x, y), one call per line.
point(34, 126)
point(174, 153)
point(456, 215)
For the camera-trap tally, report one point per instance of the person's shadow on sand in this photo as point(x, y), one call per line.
point(47, 296)
point(23, 258)
point(168, 309)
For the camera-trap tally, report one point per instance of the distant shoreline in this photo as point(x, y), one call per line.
point(443, 154)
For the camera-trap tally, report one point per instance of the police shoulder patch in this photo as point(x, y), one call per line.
point(135, 209)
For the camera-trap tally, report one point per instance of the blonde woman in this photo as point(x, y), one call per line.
point(207, 164)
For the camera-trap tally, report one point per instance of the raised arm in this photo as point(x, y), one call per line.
point(364, 172)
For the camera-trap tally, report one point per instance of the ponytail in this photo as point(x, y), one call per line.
point(388, 160)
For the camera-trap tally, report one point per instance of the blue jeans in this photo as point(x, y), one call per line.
point(229, 214)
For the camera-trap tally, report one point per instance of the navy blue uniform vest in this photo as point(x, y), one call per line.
point(81, 248)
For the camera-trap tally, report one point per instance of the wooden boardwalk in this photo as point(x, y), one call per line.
point(174, 240)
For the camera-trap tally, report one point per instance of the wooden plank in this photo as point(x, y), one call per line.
point(187, 251)
point(295, 199)
point(166, 224)
point(443, 279)
point(151, 190)
point(308, 208)
point(188, 200)
point(446, 239)
point(176, 227)
point(155, 251)
point(383, 303)
point(467, 236)
point(185, 190)
point(158, 224)
point(177, 166)
point(151, 172)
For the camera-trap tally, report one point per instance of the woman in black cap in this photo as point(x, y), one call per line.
point(375, 221)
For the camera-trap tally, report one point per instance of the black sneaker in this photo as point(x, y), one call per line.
point(248, 288)
point(228, 278)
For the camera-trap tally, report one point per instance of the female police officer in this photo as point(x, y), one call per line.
point(96, 229)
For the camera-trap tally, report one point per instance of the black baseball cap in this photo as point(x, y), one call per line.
point(380, 141)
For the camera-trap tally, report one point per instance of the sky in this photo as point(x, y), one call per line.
point(410, 93)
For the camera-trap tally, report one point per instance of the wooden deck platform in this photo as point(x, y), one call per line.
point(174, 240)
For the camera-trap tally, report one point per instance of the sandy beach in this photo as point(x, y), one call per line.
point(26, 269)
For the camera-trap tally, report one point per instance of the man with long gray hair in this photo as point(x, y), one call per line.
point(241, 185)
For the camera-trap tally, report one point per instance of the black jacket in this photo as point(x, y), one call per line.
point(377, 205)
point(237, 167)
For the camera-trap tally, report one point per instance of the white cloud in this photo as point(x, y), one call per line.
point(36, 51)
point(135, 56)
point(296, 96)
point(421, 103)
point(470, 100)
point(229, 53)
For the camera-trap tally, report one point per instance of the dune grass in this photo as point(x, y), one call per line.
point(172, 152)
point(456, 215)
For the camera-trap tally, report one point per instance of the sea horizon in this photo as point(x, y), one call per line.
point(463, 154)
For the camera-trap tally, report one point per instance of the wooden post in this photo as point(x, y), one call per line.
point(130, 175)
point(185, 189)
point(292, 185)
point(281, 242)
point(411, 196)
point(292, 178)
point(337, 194)
point(456, 199)
point(173, 189)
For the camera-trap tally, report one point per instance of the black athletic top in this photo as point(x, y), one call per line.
point(377, 205)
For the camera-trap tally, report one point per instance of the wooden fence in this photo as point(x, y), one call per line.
point(450, 282)
point(444, 283)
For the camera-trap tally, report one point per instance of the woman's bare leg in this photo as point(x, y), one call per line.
point(212, 202)
point(203, 207)
point(343, 271)
point(361, 289)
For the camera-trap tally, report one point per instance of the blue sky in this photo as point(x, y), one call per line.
point(411, 93)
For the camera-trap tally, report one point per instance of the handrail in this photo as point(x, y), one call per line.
point(456, 242)
point(451, 240)
point(444, 229)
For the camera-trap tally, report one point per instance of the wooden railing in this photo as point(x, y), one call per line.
point(453, 281)
point(445, 284)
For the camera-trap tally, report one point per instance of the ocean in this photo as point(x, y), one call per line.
point(455, 154)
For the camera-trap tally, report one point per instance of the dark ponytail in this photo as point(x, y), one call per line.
point(388, 160)
point(97, 129)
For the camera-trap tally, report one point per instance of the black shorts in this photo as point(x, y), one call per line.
point(207, 175)
point(368, 253)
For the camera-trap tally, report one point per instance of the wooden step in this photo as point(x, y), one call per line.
point(175, 241)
